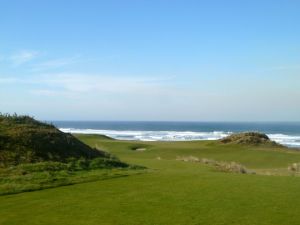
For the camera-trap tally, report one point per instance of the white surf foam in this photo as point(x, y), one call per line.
point(287, 140)
point(152, 135)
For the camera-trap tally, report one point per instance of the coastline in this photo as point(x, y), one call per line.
point(292, 141)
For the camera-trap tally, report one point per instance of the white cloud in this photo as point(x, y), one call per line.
point(72, 84)
point(56, 63)
point(23, 56)
point(81, 83)
point(45, 92)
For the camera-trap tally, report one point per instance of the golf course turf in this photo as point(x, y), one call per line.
point(170, 192)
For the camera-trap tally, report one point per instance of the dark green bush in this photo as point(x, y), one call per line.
point(106, 163)
point(82, 164)
point(43, 166)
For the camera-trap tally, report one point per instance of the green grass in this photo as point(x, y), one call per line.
point(37, 176)
point(254, 157)
point(170, 191)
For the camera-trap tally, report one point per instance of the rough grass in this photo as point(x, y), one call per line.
point(171, 192)
point(26, 140)
point(230, 167)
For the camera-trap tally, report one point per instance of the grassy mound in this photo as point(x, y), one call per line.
point(36, 155)
point(26, 140)
point(249, 138)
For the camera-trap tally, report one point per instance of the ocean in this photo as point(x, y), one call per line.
point(286, 133)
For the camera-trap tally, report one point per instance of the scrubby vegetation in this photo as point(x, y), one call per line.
point(231, 167)
point(249, 138)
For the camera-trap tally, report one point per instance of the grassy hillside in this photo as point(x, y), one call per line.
point(36, 155)
point(171, 191)
point(25, 140)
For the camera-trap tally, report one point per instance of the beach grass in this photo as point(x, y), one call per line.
point(171, 191)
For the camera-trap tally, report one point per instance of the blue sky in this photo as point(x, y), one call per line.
point(151, 60)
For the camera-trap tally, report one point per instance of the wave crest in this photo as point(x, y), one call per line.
point(287, 140)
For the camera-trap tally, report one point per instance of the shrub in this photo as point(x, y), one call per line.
point(97, 163)
point(82, 164)
point(43, 166)
point(108, 163)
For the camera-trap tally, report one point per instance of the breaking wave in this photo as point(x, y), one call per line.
point(287, 140)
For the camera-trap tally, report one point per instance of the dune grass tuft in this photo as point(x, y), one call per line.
point(295, 167)
point(230, 167)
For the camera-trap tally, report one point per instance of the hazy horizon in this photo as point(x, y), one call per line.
point(177, 121)
point(151, 60)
